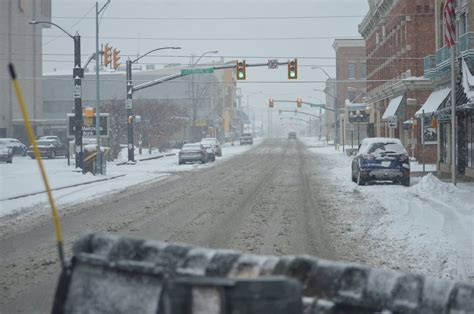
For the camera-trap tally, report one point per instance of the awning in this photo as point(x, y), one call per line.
point(392, 108)
point(434, 101)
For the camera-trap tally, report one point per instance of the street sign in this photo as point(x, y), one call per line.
point(273, 64)
point(201, 122)
point(77, 91)
point(197, 71)
point(89, 131)
point(444, 117)
point(392, 122)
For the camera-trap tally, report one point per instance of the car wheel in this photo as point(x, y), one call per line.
point(9, 161)
point(360, 180)
point(33, 157)
point(405, 181)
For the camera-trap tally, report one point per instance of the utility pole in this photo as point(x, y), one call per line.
point(97, 78)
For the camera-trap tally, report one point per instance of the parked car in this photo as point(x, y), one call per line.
point(381, 159)
point(211, 151)
point(50, 148)
point(17, 147)
point(215, 143)
point(192, 153)
point(246, 138)
point(6, 153)
point(292, 135)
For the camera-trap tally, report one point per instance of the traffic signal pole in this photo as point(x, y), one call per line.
point(129, 107)
point(78, 75)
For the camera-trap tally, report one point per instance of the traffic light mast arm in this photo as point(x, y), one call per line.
point(178, 75)
point(322, 106)
point(301, 112)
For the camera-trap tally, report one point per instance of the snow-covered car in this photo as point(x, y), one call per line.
point(214, 142)
point(246, 138)
point(52, 137)
point(6, 153)
point(381, 159)
point(48, 148)
point(192, 153)
point(17, 147)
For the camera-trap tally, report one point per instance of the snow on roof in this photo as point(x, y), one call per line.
point(433, 102)
point(371, 140)
point(355, 106)
point(467, 81)
point(392, 107)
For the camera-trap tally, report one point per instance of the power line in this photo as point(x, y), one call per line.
point(212, 18)
point(202, 38)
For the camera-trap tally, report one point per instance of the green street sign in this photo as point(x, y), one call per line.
point(197, 71)
point(444, 117)
point(317, 105)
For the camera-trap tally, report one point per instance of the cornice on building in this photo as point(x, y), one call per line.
point(375, 16)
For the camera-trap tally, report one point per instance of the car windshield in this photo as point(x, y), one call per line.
point(45, 143)
point(386, 148)
point(192, 147)
point(295, 135)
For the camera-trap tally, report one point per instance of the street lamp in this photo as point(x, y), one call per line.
point(129, 101)
point(78, 75)
point(357, 115)
point(193, 100)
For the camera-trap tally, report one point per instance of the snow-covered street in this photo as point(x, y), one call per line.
point(22, 190)
point(426, 228)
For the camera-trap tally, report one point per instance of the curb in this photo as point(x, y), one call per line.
point(62, 188)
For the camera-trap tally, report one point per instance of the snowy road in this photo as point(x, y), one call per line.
point(281, 197)
point(266, 200)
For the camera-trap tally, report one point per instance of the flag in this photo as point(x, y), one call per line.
point(449, 22)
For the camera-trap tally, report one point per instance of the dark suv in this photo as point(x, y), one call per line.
point(292, 135)
point(381, 159)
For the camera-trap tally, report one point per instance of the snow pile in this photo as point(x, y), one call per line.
point(430, 186)
point(426, 228)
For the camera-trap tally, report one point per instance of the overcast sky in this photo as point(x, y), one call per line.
point(138, 26)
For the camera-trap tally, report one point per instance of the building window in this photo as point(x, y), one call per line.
point(363, 70)
point(470, 142)
point(351, 71)
point(462, 24)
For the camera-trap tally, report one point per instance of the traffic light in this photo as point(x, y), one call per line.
point(107, 54)
point(130, 119)
point(271, 103)
point(241, 71)
point(293, 69)
point(299, 102)
point(115, 58)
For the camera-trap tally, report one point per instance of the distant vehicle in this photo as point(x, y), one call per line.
point(292, 135)
point(49, 148)
point(246, 138)
point(6, 153)
point(214, 142)
point(381, 159)
point(192, 153)
point(211, 151)
point(17, 147)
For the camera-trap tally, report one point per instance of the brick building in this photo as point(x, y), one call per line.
point(350, 86)
point(437, 68)
point(395, 33)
